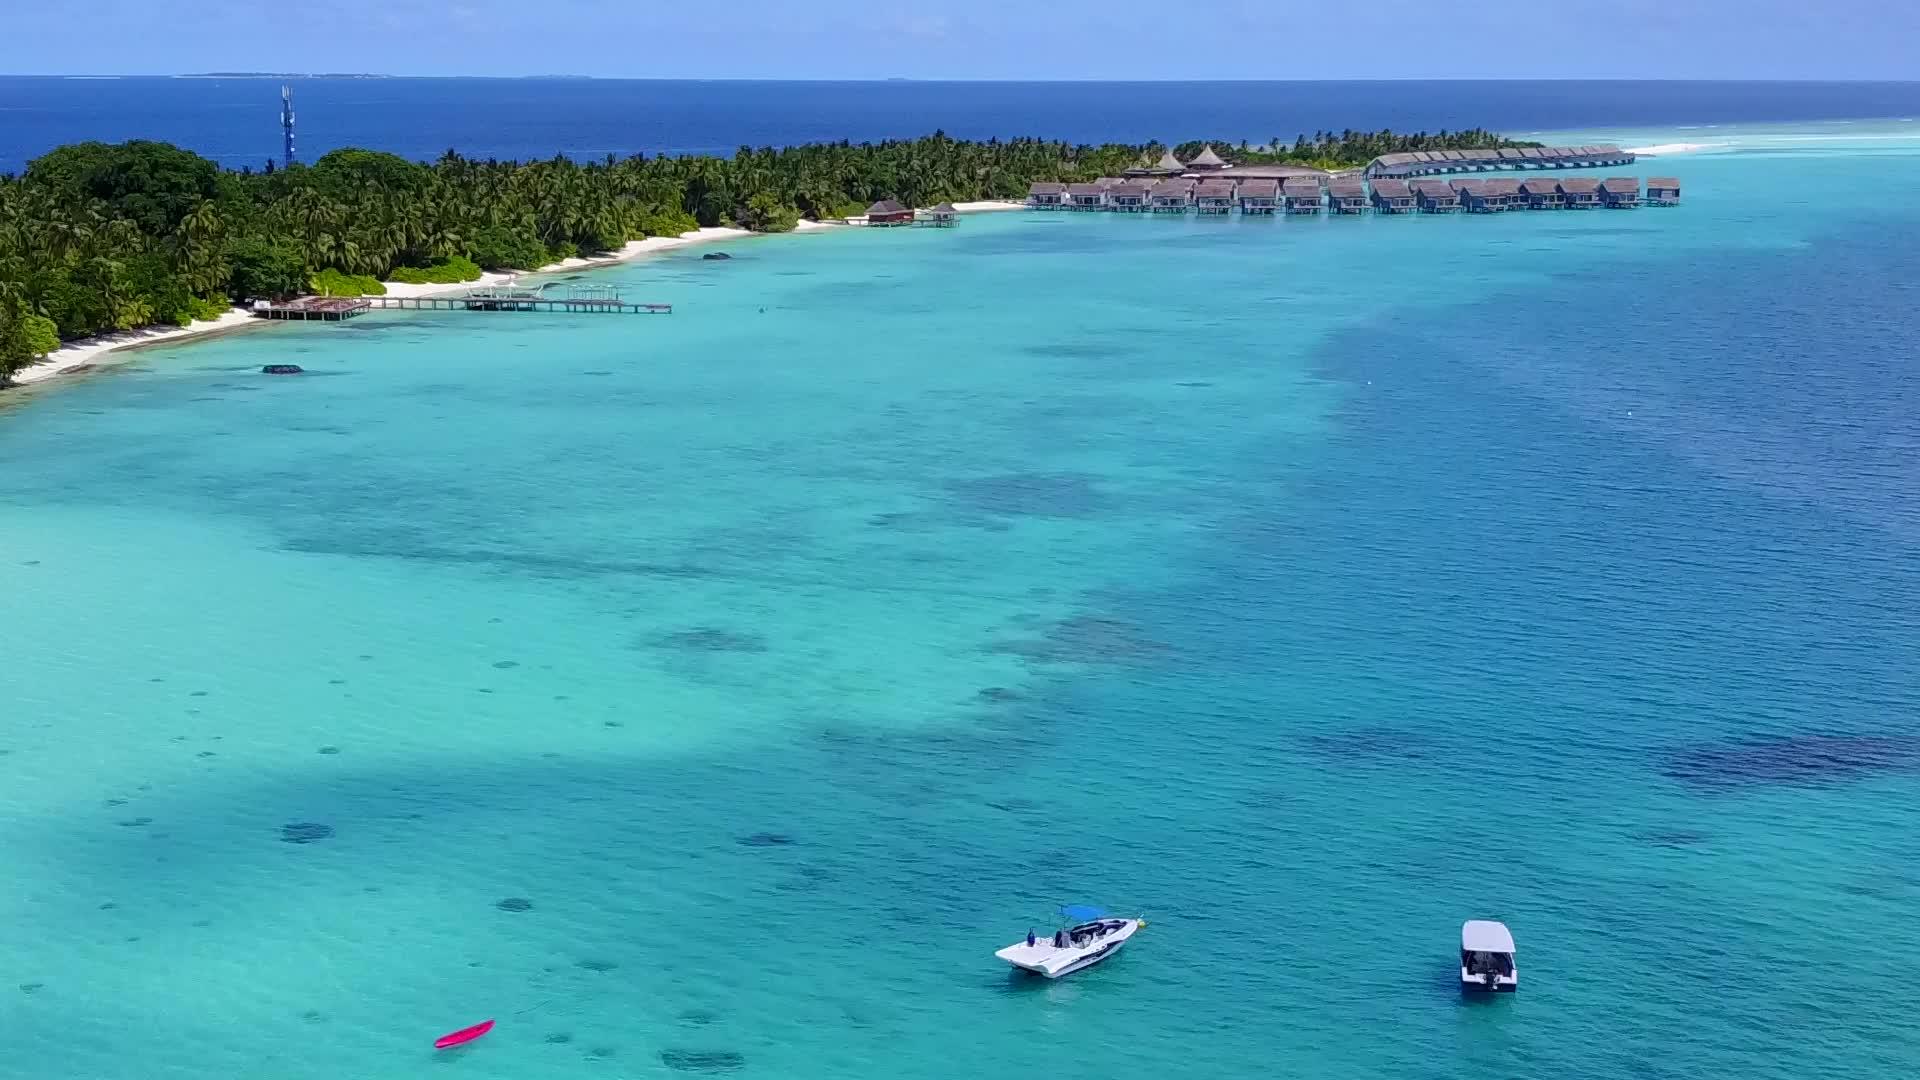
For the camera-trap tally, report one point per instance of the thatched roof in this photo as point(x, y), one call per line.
point(1539, 185)
point(1665, 183)
point(1388, 188)
point(1347, 187)
point(1259, 188)
point(945, 208)
point(1046, 187)
point(1085, 189)
point(1621, 185)
point(1207, 159)
point(1130, 188)
point(1168, 161)
point(1579, 185)
point(1214, 189)
point(885, 206)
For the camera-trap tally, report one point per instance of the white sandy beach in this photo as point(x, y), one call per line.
point(78, 355)
point(1668, 148)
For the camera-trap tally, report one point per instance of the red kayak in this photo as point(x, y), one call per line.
point(464, 1035)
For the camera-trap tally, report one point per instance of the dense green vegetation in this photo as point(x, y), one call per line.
point(96, 237)
point(1347, 149)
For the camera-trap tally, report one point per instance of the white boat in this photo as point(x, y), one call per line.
point(1486, 957)
point(1073, 948)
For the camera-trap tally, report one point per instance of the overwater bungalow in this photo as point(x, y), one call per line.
point(944, 216)
point(1213, 196)
point(1301, 194)
point(1435, 197)
point(889, 212)
point(1259, 196)
point(1391, 196)
point(1046, 195)
point(1172, 196)
point(1127, 198)
point(1505, 193)
point(1086, 197)
point(1206, 161)
point(1579, 193)
point(1473, 196)
point(1530, 157)
point(1489, 159)
point(1663, 191)
point(1620, 192)
point(1347, 195)
point(1540, 194)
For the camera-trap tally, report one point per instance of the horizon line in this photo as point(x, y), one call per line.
point(929, 79)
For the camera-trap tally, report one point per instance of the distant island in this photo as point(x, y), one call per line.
point(97, 237)
point(281, 75)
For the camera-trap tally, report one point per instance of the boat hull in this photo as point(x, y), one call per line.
point(1048, 962)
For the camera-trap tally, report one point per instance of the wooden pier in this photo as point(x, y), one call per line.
point(574, 300)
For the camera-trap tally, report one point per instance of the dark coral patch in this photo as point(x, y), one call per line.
point(1000, 693)
point(1031, 494)
point(304, 832)
point(699, 1017)
point(329, 750)
point(1795, 760)
point(506, 665)
point(560, 1038)
point(703, 1061)
point(515, 903)
point(1087, 639)
point(712, 639)
point(1375, 743)
point(595, 965)
point(766, 839)
point(134, 823)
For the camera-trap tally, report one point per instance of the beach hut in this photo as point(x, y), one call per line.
point(1620, 192)
point(1663, 191)
point(1301, 194)
point(1259, 196)
point(1086, 196)
point(1171, 196)
point(1046, 195)
point(943, 216)
point(1206, 161)
point(1539, 194)
point(888, 212)
point(1392, 196)
point(1435, 197)
point(1347, 195)
point(1127, 198)
point(1579, 193)
point(1213, 196)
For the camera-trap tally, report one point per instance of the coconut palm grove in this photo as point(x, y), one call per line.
point(97, 237)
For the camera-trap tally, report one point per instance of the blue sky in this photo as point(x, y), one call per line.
point(982, 39)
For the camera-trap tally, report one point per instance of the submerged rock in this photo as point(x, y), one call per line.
point(703, 1061)
point(1792, 760)
point(304, 832)
point(515, 903)
point(282, 369)
point(595, 965)
point(766, 839)
point(716, 256)
point(560, 1038)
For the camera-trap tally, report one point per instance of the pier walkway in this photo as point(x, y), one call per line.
point(573, 300)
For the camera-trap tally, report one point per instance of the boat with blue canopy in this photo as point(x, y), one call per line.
point(1092, 937)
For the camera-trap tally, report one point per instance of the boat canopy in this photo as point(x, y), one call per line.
point(1081, 912)
point(1485, 935)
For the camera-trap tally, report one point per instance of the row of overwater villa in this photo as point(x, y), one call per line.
point(1209, 185)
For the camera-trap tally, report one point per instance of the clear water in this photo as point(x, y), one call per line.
point(237, 121)
point(1307, 586)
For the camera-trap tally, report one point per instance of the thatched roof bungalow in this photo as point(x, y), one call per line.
point(1046, 195)
point(1259, 195)
point(1663, 191)
point(889, 212)
point(1130, 197)
point(1347, 195)
point(1579, 193)
point(1302, 194)
point(1206, 160)
point(1620, 192)
point(1086, 196)
point(1435, 196)
point(1214, 196)
point(1392, 196)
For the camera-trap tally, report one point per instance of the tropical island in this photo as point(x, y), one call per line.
point(96, 238)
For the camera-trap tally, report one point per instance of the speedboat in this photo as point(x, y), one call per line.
point(1486, 957)
point(1072, 948)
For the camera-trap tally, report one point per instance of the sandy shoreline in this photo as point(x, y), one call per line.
point(89, 352)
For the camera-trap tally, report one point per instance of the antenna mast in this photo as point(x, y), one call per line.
point(286, 123)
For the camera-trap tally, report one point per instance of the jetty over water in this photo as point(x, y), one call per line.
point(572, 299)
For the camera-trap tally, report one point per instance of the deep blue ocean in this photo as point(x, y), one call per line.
point(236, 121)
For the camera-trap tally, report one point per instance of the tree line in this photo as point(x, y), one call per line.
point(97, 237)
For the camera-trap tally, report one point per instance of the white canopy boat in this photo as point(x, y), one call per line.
point(1486, 957)
point(1073, 948)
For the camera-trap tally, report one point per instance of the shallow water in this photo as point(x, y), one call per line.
point(1308, 587)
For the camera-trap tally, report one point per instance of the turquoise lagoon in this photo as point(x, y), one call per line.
point(1306, 586)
